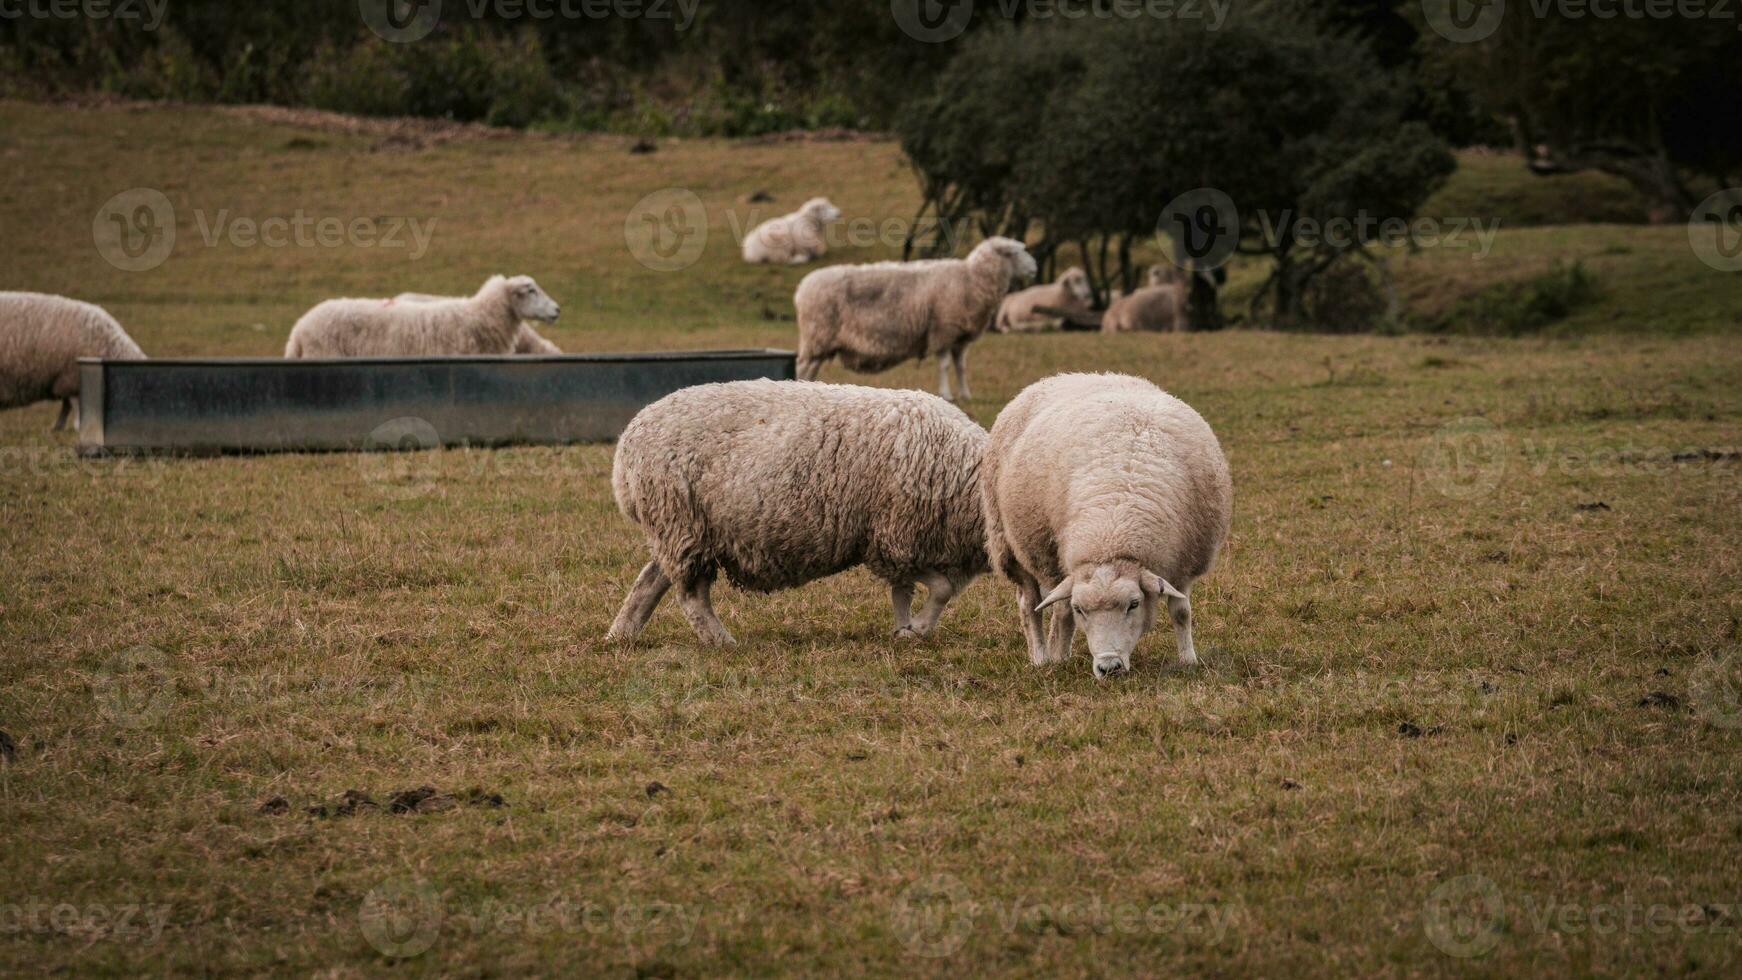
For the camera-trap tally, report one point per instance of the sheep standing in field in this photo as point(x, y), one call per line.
point(487, 324)
point(1071, 294)
point(41, 340)
point(874, 317)
point(780, 483)
point(1104, 495)
point(794, 239)
point(528, 342)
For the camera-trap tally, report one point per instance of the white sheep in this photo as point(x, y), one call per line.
point(780, 483)
point(486, 324)
point(1106, 493)
point(793, 239)
point(527, 342)
point(1072, 293)
point(41, 340)
point(1160, 306)
point(874, 317)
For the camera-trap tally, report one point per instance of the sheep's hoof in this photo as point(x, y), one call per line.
point(908, 634)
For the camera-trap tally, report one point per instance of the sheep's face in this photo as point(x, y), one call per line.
point(822, 211)
point(1114, 605)
point(531, 302)
point(1160, 275)
point(1076, 283)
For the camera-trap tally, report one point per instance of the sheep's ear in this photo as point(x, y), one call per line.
point(1156, 587)
point(1060, 594)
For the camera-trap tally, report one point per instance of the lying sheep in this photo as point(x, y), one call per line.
point(780, 483)
point(1071, 294)
point(874, 317)
point(526, 342)
point(794, 239)
point(1106, 493)
point(1159, 307)
point(488, 324)
point(41, 340)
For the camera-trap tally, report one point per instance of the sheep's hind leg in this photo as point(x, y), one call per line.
point(959, 357)
point(638, 608)
point(1028, 596)
point(66, 411)
point(809, 368)
point(696, 595)
point(939, 590)
point(901, 597)
point(1181, 611)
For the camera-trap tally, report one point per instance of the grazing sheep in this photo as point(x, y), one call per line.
point(873, 317)
point(1106, 493)
point(527, 342)
point(41, 340)
point(780, 483)
point(488, 323)
point(1071, 294)
point(794, 239)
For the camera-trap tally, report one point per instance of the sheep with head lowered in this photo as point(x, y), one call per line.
point(779, 483)
point(528, 342)
point(487, 324)
point(1071, 294)
point(1105, 497)
point(42, 338)
point(793, 239)
point(874, 317)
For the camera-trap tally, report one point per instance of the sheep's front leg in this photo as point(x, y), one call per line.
point(944, 377)
point(901, 597)
point(638, 608)
point(959, 357)
point(1181, 611)
point(939, 591)
point(1064, 634)
point(1028, 596)
point(66, 410)
point(809, 368)
point(698, 607)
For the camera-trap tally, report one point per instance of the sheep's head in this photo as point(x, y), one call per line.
point(1018, 264)
point(1076, 282)
point(530, 302)
point(820, 210)
point(1114, 605)
point(1161, 275)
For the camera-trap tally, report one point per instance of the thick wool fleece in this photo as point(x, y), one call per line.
point(41, 340)
point(1090, 469)
point(1156, 309)
point(1071, 294)
point(782, 483)
point(875, 317)
point(527, 342)
point(792, 239)
point(487, 324)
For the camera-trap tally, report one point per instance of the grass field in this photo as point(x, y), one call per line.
point(1470, 702)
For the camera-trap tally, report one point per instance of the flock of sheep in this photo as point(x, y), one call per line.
point(1097, 491)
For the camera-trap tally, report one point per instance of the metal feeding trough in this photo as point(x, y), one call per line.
point(208, 407)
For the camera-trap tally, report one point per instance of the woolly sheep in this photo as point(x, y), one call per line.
point(1071, 294)
point(1106, 493)
point(488, 323)
point(874, 317)
point(526, 342)
point(794, 239)
point(1157, 307)
point(780, 483)
point(41, 340)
